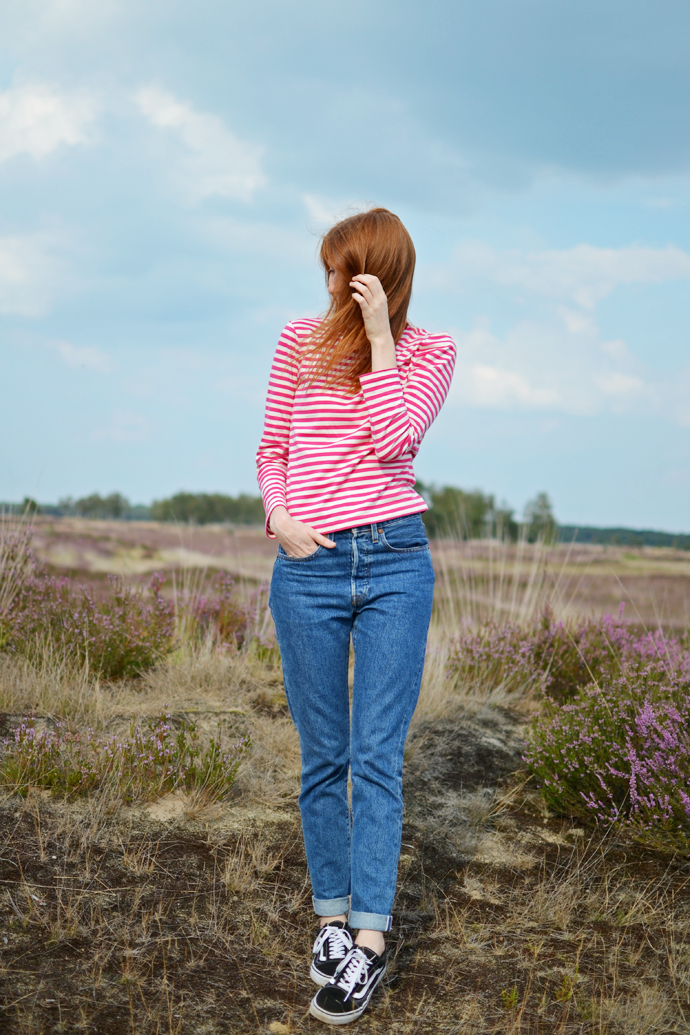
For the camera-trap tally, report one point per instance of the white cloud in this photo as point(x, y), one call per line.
point(215, 161)
point(83, 357)
point(35, 119)
point(614, 383)
point(30, 275)
point(616, 349)
point(541, 366)
point(496, 387)
point(124, 426)
point(582, 275)
point(554, 358)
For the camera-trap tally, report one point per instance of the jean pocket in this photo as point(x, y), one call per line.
point(286, 556)
point(405, 537)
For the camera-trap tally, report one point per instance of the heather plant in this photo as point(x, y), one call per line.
point(619, 755)
point(145, 764)
point(559, 658)
point(220, 616)
point(221, 620)
point(119, 636)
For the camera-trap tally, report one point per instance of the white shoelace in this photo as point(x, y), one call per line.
point(339, 941)
point(355, 971)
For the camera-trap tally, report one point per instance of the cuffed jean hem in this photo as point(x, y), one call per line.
point(331, 906)
point(369, 921)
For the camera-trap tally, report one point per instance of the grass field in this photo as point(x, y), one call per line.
point(191, 914)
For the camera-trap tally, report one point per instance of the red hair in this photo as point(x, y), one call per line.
point(373, 242)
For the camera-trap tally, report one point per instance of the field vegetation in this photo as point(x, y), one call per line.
point(152, 874)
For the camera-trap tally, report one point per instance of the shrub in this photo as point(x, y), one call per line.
point(620, 754)
point(144, 765)
point(225, 621)
point(494, 655)
point(120, 636)
point(558, 658)
point(219, 616)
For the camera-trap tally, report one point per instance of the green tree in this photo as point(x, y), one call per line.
point(95, 506)
point(209, 508)
point(504, 524)
point(465, 515)
point(540, 523)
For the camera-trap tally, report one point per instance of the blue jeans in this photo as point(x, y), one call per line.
point(375, 586)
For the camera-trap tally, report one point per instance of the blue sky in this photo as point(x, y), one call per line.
point(166, 168)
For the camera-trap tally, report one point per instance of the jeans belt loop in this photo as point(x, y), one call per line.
point(374, 533)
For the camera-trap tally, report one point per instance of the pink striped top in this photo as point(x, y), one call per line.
point(337, 460)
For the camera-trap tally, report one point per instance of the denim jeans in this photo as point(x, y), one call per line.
point(375, 586)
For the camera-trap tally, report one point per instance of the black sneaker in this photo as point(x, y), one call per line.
point(332, 945)
point(347, 996)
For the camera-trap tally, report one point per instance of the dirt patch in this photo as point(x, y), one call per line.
point(170, 807)
point(464, 753)
point(9, 722)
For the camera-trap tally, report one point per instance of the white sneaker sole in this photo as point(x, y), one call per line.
point(342, 1018)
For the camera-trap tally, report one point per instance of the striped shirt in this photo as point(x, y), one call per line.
point(336, 460)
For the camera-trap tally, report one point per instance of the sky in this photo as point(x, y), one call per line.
point(166, 169)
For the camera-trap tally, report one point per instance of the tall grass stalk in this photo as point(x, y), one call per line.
point(187, 589)
point(57, 685)
point(481, 581)
point(17, 564)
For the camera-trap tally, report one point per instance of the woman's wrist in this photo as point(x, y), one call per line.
point(381, 342)
point(277, 515)
point(382, 352)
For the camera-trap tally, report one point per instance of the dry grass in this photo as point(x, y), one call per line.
point(487, 579)
point(126, 925)
point(193, 916)
point(15, 564)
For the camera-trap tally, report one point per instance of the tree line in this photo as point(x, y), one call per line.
point(459, 514)
point(196, 508)
point(453, 512)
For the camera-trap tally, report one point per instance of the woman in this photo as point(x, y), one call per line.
point(350, 398)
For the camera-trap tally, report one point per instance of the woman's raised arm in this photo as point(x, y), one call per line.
point(400, 416)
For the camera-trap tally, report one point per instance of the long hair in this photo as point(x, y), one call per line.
point(372, 242)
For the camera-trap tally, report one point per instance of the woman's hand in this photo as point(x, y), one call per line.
point(372, 300)
point(296, 538)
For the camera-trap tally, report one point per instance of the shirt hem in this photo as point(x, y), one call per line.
point(371, 518)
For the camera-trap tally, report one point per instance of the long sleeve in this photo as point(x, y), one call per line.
point(272, 455)
point(400, 411)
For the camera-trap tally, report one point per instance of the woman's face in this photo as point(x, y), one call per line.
point(332, 281)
